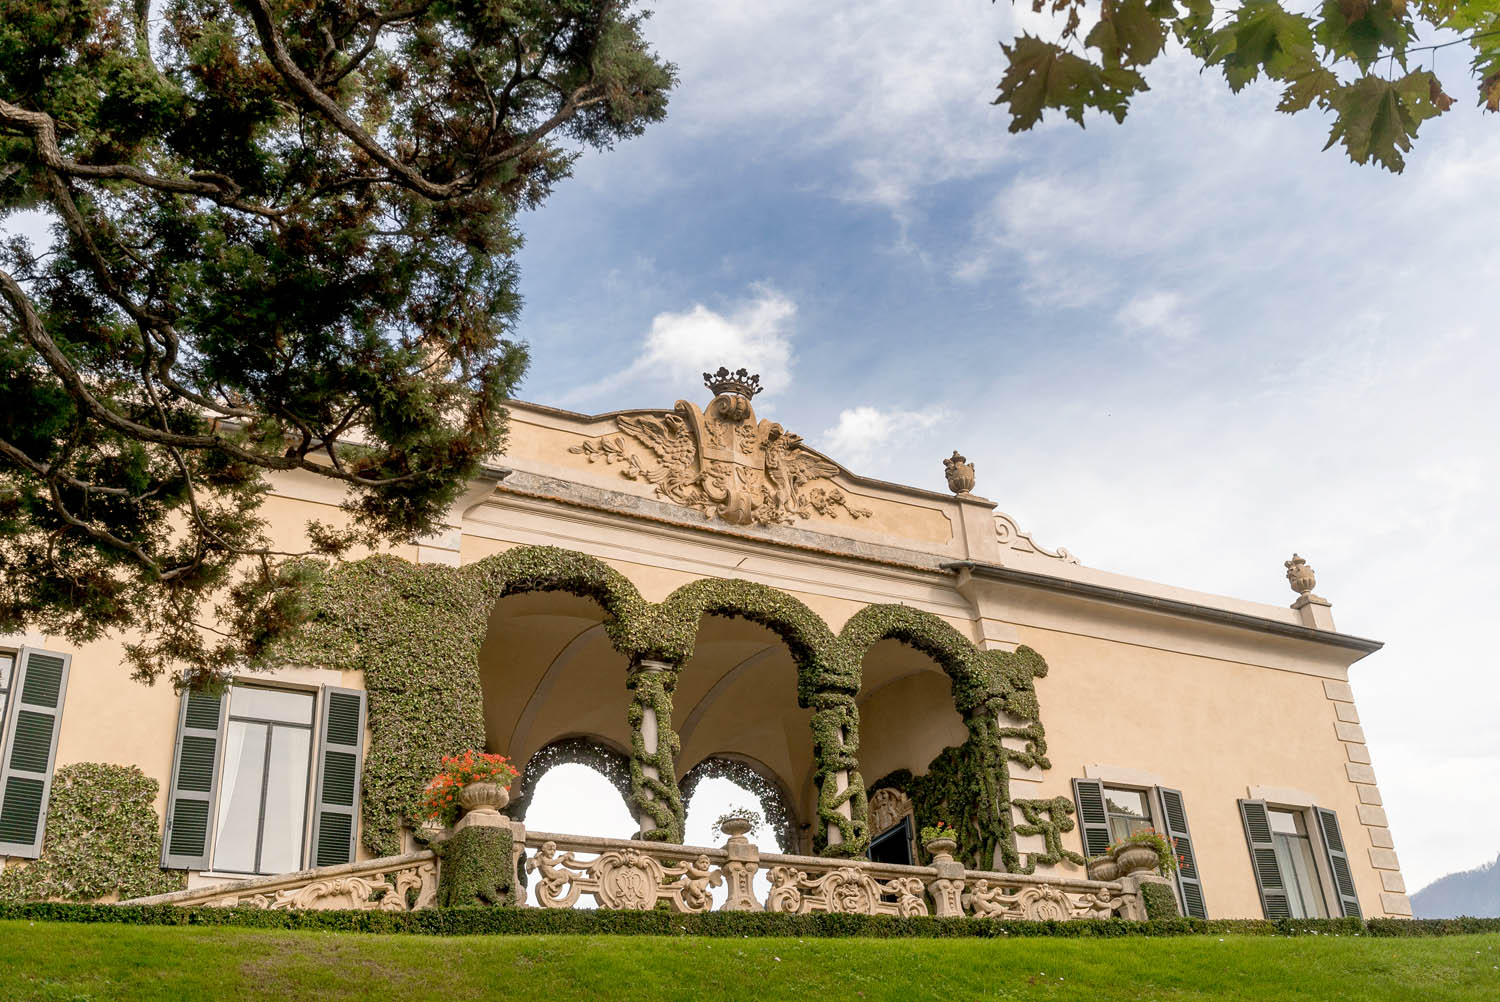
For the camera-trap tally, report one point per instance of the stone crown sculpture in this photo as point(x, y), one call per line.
point(740, 381)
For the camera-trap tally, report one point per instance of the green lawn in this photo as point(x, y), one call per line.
point(91, 963)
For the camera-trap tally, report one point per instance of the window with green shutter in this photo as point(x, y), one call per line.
point(1174, 825)
point(1338, 861)
point(1093, 818)
point(340, 755)
point(35, 684)
point(266, 779)
point(1282, 854)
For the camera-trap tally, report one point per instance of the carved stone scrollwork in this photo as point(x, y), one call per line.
point(724, 463)
point(847, 890)
point(1039, 903)
point(395, 891)
point(627, 879)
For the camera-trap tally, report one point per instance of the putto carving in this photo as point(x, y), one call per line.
point(960, 473)
point(722, 462)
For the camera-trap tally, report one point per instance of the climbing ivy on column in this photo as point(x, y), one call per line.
point(657, 796)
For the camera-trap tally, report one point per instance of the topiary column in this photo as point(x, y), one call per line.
point(653, 751)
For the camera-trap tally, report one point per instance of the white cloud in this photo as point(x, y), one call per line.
point(1157, 314)
point(865, 432)
point(680, 347)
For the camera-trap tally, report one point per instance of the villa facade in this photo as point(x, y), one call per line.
point(674, 593)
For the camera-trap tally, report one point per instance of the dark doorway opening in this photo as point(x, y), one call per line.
point(893, 845)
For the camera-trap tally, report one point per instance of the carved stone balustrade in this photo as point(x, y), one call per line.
point(391, 884)
point(637, 875)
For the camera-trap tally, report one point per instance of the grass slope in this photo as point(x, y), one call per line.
point(61, 962)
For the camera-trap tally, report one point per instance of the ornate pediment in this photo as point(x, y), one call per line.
point(722, 461)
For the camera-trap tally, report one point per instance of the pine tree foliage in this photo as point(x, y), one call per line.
point(284, 241)
point(1358, 60)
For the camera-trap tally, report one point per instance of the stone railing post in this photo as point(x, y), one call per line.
point(948, 889)
point(1135, 902)
point(744, 861)
point(653, 751)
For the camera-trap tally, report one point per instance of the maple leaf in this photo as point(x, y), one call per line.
point(1263, 37)
point(1043, 75)
point(1378, 118)
point(1305, 88)
point(1130, 31)
point(1363, 30)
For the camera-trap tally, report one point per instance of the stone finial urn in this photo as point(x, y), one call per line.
point(1299, 574)
point(483, 798)
point(1103, 868)
point(960, 473)
point(1132, 858)
point(941, 849)
point(736, 827)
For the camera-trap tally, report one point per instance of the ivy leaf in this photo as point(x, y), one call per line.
point(1043, 75)
point(1378, 118)
point(1263, 37)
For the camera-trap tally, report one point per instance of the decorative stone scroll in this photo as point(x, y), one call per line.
point(628, 879)
point(722, 462)
point(391, 884)
point(991, 898)
point(639, 876)
point(846, 889)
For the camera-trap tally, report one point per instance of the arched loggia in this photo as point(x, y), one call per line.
point(826, 684)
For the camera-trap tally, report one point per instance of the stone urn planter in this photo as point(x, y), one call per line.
point(942, 849)
point(1103, 868)
point(736, 827)
point(483, 798)
point(1134, 858)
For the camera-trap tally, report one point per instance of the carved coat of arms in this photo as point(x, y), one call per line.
point(723, 462)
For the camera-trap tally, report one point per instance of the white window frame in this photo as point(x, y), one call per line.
point(1331, 900)
point(315, 734)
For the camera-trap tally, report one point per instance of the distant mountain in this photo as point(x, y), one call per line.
point(1473, 892)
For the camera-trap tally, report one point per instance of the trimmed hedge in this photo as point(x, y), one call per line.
point(538, 921)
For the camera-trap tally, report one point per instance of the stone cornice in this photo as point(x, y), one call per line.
point(1155, 603)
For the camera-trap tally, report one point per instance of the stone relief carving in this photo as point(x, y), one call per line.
point(887, 807)
point(397, 890)
point(627, 879)
point(992, 899)
point(724, 463)
point(1012, 537)
point(846, 889)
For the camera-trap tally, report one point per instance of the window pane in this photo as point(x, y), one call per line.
point(239, 797)
point(1304, 892)
point(1286, 822)
point(1131, 803)
point(271, 704)
point(7, 665)
point(286, 800)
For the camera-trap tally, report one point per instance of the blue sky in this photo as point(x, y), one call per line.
point(1182, 347)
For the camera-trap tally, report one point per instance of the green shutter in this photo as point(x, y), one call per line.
point(1338, 861)
point(200, 722)
point(340, 757)
point(29, 749)
point(1174, 823)
point(1273, 897)
point(1093, 821)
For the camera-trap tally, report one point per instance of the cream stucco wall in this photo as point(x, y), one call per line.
point(1219, 698)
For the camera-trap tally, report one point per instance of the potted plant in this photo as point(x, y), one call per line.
point(940, 840)
point(1144, 850)
point(471, 781)
point(1103, 867)
point(738, 822)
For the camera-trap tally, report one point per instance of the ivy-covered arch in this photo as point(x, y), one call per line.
point(827, 681)
point(760, 780)
point(415, 631)
point(598, 753)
